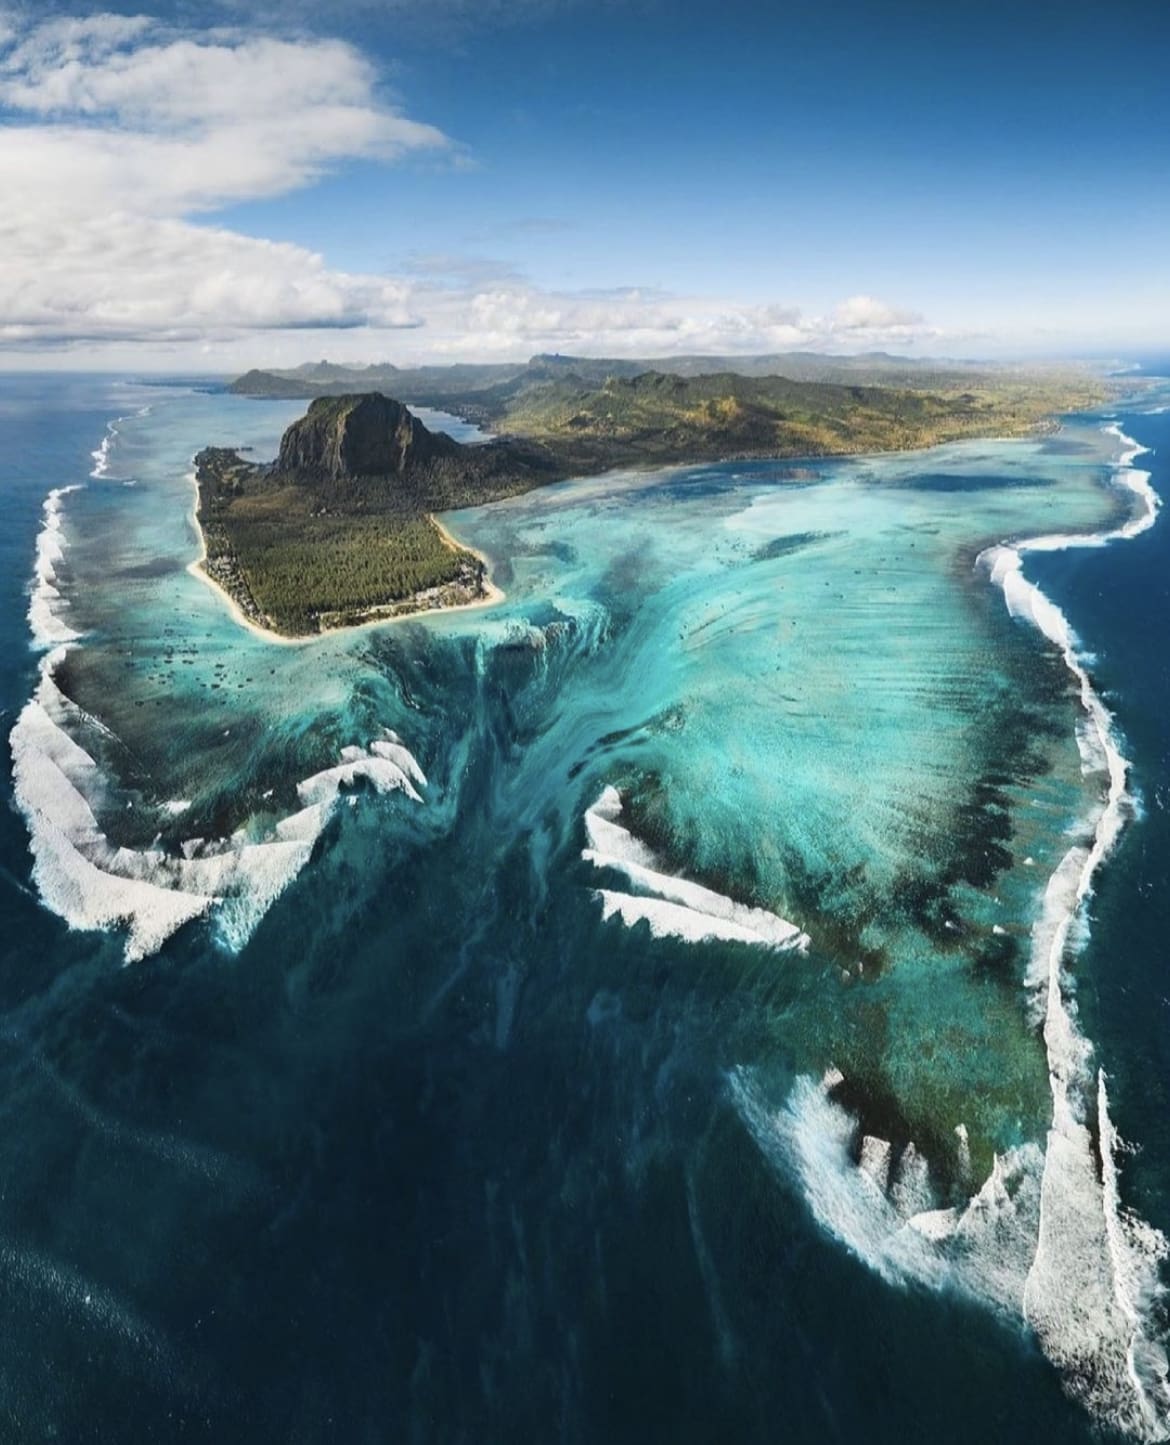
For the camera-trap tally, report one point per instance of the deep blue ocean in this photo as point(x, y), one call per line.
point(431, 1146)
point(1119, 602)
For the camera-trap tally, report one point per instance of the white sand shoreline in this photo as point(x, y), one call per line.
point(494, 595)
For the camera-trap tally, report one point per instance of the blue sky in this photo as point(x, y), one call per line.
point(456, 180)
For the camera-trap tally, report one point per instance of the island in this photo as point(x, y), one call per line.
point(341, 528)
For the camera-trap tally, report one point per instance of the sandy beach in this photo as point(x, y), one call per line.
point(493, 593)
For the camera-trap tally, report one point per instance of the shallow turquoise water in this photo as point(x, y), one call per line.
point(497, 1128)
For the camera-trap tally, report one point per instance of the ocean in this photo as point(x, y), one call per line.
point(713, 995)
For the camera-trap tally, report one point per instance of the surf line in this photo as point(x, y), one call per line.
point(91, 882)
point(101, 457)
point(1095, 1269)
point(675, 907)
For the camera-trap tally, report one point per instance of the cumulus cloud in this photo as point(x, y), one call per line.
point(116, 277)
point(178, 123)
point(509, 316)
point(125, 130)
point(865, 313)
point(122, 135)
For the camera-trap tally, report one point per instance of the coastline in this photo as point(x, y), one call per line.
point(1080, 1203)
point(1106, 1258)
point(1048, 1238)
point(195, 569)
point(493, 594)
point(1109, 1147)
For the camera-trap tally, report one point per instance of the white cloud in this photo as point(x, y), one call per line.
point(117, 277)
point(129, 130)
point(123, 134)
point(184, 122)
point(864, 313)
point(511, 318)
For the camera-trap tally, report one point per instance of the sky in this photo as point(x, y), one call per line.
point(216, 185)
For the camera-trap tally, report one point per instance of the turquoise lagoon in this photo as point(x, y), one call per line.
point(555, 977)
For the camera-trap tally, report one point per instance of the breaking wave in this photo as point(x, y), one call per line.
point(46, 603)
point(92, 883)
point(673, 907)
point(1095, 1271)
point(882, 1208)
point(101, 456)
point(1046, 1238)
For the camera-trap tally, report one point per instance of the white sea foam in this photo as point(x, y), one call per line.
point(673, 907)
point(101, 457)
point(391, 747)
point(1080, 1296)
point(1125, 476)
point(874, 1160)
point(45, 601)
point(94, 884)
point(671, 920)
point(983, 1249)
point(1046, 1236)
point(910, 1191)
point(1135, 1251)
point(963, 1153)
point(608, 838)
point(385, 774)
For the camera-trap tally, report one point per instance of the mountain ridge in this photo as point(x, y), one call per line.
point(341, 527)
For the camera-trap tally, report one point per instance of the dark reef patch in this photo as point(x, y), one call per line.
point(962, 482)
point(157, 567)
point(794, 542)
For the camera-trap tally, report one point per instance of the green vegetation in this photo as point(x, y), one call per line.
point(484, 392)
point(340, 528)
point(656, 418)
point(297, 569)
point(592, 414)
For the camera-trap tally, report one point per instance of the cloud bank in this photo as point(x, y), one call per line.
point(119, 131)
point(120, 138)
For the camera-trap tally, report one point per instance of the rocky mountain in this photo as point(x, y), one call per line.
point(468, 388)
point(369, 435)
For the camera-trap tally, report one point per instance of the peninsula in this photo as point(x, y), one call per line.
point(340, 528)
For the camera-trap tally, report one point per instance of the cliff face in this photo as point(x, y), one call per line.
point(360, 436)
